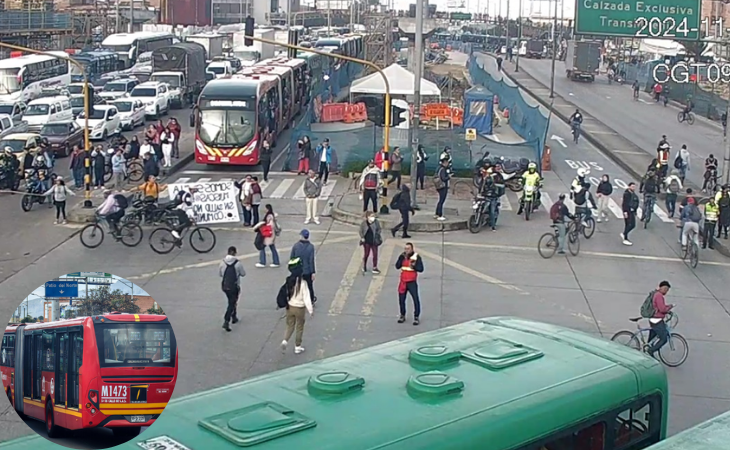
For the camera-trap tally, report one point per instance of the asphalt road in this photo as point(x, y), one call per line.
point(642, 122)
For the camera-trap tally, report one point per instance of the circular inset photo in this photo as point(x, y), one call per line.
point(89, 360)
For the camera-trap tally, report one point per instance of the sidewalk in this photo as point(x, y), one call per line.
point(627, 155)
point(457, 209)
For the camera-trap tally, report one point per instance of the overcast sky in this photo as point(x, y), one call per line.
point(36, 298)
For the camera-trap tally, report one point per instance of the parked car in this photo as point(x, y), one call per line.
point(77, 103)
point(131, 112)
point(103, 122)
point(62, 136)
point(154, 95)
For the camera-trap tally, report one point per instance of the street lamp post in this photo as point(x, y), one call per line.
point(519, 39)
point(87, 143)
point(555, 51)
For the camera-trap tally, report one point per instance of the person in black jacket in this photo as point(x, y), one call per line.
point(442, 179)
point(650, 186)
point(421, 158)
point(604, 191)
point(410, 265)
point(150, 166)
point(629, 206)
point(403, 204)
point(266, 152)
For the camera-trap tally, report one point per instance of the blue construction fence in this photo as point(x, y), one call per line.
point(526, 117)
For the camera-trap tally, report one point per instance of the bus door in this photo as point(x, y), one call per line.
point(61, 375)
point(27, 365)
point(37, 365)
point(75, 356)
point(271, 100)
point(18, 372)
point(287, 95)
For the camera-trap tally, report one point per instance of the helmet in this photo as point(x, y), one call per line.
point(39, 159)
point(583, 172)
point(8, 149)
point(532, 166)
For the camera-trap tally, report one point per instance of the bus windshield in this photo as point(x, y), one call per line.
point(9, 82)
point(119, 48)
point(75, 89)
point(227, 127)
point(138, 344)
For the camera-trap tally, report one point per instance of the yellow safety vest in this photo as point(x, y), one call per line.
point(711, 212)
point(718, 196)
point(531, 179)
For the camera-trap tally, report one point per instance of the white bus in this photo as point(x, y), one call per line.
point(129, 46)
point(23, 78)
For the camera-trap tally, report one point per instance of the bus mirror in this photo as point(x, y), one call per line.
point(130, 54)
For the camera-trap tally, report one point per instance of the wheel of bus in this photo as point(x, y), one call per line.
point(53, 430)
point(202, 239)
point(162, 241)
point(126, 432)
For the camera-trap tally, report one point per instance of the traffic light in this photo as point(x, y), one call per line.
point(395, 115)
point(377, 115)
point(248, 31)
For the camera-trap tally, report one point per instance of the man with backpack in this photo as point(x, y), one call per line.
point(691, 217)
point(674, 185)
point(231, 271)
point(402, 203)
point(558, 213)
point(656, 309)
point(370, 181)
point(113, 209)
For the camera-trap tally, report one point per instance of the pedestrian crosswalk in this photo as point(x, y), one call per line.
point(615, 209)
point(291, 187)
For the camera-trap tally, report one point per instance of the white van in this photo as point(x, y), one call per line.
point(49, 109)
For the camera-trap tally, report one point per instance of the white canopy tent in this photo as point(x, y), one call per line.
point(401, 82)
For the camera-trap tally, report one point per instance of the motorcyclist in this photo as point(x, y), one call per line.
point(575, 120)
point(650, 186)
point(494, 193)
point(9, 164)
point(531, 178)
point(184, 212)
point(580, 193)
point(711, 164)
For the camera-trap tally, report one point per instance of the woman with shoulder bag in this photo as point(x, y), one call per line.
point(266, 232)
point(370, 238)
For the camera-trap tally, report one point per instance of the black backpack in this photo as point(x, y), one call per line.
point(122, 201)
point(395, 201)
point(678, 162)
point(282, 298)
point(230, 278)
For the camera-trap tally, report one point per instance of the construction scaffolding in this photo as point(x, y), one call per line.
point(94, 21)
point(379, 37)
point(36, 29)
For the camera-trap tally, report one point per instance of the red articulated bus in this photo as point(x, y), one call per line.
point(114, 371)
point(231, 116)
point(296, 78)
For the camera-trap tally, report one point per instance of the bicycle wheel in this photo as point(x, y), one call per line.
point(680, 117)
point(162, 241)
point(628, 339)
point(547, 245)
point(202, 239)
point(574, 244)
point(107, 173)
point(589, 228)
point(135, 171)
point(690, 118)
point(131, 234)
point(90, 234)
point(694, 255)
point(675, 352)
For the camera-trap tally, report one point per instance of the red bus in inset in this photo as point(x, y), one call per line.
point(115, 371)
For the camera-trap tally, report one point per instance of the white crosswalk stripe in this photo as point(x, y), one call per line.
point(225, 180)
point(281, 189)
point(299, 195)
point(204, 180)
point(546, 201)
point(182, 180)
point(664, 217)
point(505, 204)
point(615, 209)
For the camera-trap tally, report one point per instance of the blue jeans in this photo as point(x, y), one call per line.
point(79, 176)
point(561, 235)
point(274, 255)
point(442, 199)
point(493, 212)
point(660, 331)
point(671, 203)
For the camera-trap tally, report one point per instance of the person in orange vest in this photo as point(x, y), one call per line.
point(410, 265)
point(663, 157)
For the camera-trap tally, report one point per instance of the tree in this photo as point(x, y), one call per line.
point(102, 301)
point(154, 310)
point(28, 319)
point(695, 48)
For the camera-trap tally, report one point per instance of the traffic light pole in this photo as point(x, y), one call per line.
point(416, 122)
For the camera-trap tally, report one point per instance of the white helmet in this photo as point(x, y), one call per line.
point(582, 172)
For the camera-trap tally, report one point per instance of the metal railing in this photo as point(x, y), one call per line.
point(24, 21)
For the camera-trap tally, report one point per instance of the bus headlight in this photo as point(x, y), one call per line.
point(251, 147)
point(200, 147)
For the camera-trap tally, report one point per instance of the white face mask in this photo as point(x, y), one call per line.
point(371, 219)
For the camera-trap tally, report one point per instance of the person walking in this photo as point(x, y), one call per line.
point(683, 162)
point(603, 191)
point(266, 154)
point(231, 271)
point(167, 147)
point(304, 251)
point(560, 215)
point(312, 191)
point(421, 158)
point(269, 229)
point(119, 169)
point(673, 186)
point(370, 181)
point(629, 206)
point(410, 265)
point(246, 196)
point(174, 127)
point(371, 239)
point(396, 160)
point(441, 182)
point(59, 193)
point(712, 214)
point(722, 199)
point(99, 162)
point(402, 202)
point(324, 156)
point(298, 304)
point(256, 197)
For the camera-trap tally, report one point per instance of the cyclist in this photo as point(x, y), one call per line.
point(691, 217)
point(711, 164)
point(184, 212)
point(659, 311)
point(558, 214)
point(687, 108)
point(531, 178)
point(650, 188)
point(113, 210)
point(575, 121)
point(636, 87)
point(580, 194)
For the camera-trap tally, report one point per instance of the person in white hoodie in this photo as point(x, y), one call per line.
point(370, 183)
point(684, 162)
point(299, 304)
point(59, 193)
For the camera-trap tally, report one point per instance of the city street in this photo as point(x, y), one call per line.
point(595, 292)
point(642, 122)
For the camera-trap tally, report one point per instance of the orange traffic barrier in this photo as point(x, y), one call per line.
point(359, 109)
point(546, 158)
point(364, 112)
point(457, 116)
point(333, 112)
point(349, 116)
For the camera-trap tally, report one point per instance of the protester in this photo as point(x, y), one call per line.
point(167, 146)
point(370, 239)
point(146, 148)
point(134, 146)
point(307, 148)
point(256, 197)
point(410, 265)
point(149, 166)
point(269, 229)
point(370, 182)
point(303, 157)
point(99, 162)
point(246, 197)
point(119, 169)
point(304, 251)
point(402, 202)
point(298, 304)
point(174, 127)
point(629, 206)
point(231, 271)
point(59, 193)
point(324, 156)
point(77, 166)
point(312, 191)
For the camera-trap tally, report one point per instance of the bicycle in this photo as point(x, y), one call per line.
point(130, 234)
point(135, 171)
point(686, 117)
point(575, 129)
point(582, 224)
point(547, 245)
point(692, 249)
point(638, 340)
point(167, 241)
point(648, 208)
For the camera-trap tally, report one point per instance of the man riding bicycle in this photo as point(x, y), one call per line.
point(711, 164)
point(580, 194)
point(656, 312)
point(112, 210)
point(687, 108)
point(649, 186)
point(531, 179)
point(184, 212)
point(691, 217)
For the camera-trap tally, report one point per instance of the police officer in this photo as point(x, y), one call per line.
point(712, 212)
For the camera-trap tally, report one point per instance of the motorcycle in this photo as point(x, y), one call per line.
point(480, 217)
point(7, 180)
point(34, 192)
point(530, 201)
point(150, 213)
point(575, 131)
point(512, 172)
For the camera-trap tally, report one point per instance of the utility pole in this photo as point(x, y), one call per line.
point(555, 51)
point(418, 74)
point(506, 28)
point(329, 19)
point(119, 18)
point(288, 14)
point(519, 39)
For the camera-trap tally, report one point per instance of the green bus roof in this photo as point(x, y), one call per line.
point(505, 381)
point(711, 435)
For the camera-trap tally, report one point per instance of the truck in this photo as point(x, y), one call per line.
point(182, 67)
point(535, 48)
point(213, 44)
point(582, 60)
point(250, 55)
